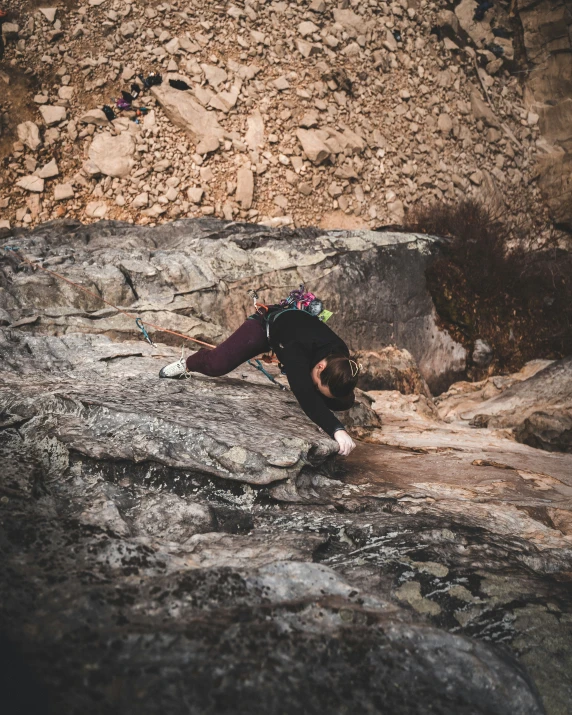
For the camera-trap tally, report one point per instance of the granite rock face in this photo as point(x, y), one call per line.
point(197, 546)
point(182, 274)
point(189, 547)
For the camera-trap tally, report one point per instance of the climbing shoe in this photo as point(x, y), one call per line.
point(176, 370)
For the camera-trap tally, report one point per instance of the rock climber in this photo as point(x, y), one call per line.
point(320, 371)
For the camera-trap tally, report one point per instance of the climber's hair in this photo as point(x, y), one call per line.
point(340, 374)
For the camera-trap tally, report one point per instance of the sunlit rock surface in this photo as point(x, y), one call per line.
point(193, 276)
point(535, 404)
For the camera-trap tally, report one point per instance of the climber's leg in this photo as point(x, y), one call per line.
point(244, 344)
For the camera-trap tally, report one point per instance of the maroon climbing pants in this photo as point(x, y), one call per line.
point(244, 344)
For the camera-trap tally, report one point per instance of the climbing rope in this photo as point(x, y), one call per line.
point(138, 321)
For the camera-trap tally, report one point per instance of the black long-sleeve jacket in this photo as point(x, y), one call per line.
point(300, 341)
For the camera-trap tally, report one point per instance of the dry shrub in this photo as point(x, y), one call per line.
point(496, 280)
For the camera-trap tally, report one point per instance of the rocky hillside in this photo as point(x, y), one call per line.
point(305, 113)
point(197, 546)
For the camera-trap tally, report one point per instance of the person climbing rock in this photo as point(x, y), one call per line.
point(320, 371)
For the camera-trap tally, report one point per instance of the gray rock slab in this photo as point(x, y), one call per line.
point(112, 533)
point(373, 282)
point(189, 424)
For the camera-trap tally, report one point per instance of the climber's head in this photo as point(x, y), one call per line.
point(336, 375)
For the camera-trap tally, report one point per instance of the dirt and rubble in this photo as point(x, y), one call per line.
point(302, 113)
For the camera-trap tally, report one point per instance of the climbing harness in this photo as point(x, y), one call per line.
point(296, 300)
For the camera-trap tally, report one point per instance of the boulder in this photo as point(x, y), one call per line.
point(314, 147)
point(465, 396)
point(53, 115)
point(307, 28)
point(350, 20)
point(49, 170)
point(29, 135)
point(94, 116)
point(447, 20)
point(31, 183)
point(187, 113)
point(96, 209)
point(538, 410)
point(195, 194)
point(214, 75)
point(113, 155)
point(140, 201)
point(549, 431)
point(445, 123)
point(63, 192)
point(208, 145)
point(255, 132)
point(225, 101)
point(361, 419)
point(479, 31)
point(481, 110)
point(390, 369)
point(10, 31)
point(49, 13)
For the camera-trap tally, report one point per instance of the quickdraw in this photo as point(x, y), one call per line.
point(259, 366)
point(139, 324)
point(260, 308)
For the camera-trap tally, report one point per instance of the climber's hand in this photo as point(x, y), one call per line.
point(345, 441)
